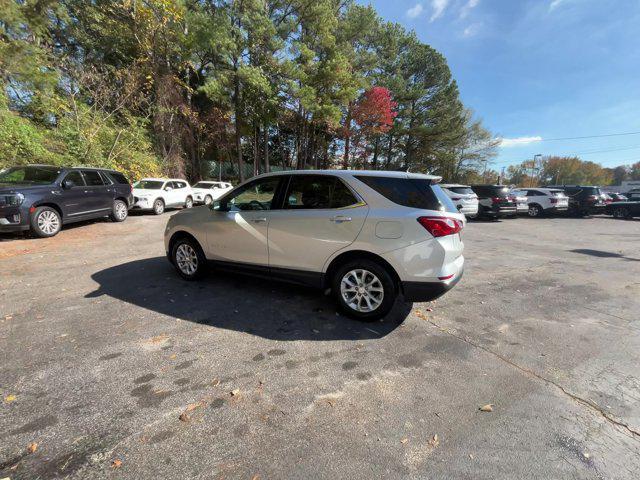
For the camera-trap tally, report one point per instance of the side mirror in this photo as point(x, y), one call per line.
point(68, 184)
point(167, 189)
point(218, 206)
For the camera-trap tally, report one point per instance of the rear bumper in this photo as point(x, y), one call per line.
point(427, 291)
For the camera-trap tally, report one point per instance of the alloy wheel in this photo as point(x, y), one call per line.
point(189, 203)
point(208, 200)
point(186, 259)
point(534, 211)
point(361, 290)
point(158, 207)
point(121, 211)
point(49, 222)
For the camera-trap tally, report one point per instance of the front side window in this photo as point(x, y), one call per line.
point(257, 195)
point(74, 177)
point(30, 175)
point(317, 192)
point(92, 178)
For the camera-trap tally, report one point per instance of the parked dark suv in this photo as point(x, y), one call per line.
point(495, 201)
point(583, 199)
point(42, 198)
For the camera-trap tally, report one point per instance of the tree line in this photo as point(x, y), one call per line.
point(182, 87)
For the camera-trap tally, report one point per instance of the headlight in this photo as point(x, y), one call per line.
point(13, 200)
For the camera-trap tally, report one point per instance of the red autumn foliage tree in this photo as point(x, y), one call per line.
point(373, 115)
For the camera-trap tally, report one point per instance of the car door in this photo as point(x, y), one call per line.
point(181, 191)
point(99, 198)
point(237, 228)
point(320, 215)
point(75, 200)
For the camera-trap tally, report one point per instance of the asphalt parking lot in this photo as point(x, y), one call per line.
point(115, 368)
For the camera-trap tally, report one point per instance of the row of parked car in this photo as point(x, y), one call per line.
point(41, 198)
point(499, 201)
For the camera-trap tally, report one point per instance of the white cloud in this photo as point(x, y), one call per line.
point(467, 7)
point(518, 141)
point(415, 11)
point(555, 4)
point(438, 7)
point(471, 30)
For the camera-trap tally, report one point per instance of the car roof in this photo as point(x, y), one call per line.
point(153, 179)
point(351, 173)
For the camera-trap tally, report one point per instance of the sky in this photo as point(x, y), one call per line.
point(539, 70)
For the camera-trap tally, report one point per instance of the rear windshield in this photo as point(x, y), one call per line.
point(491, 190)
point(30, 175)
point(410, 192)
point(149, 184)
point(460, 190)
point(204, 185)
point(118, 178)
point(557, 193)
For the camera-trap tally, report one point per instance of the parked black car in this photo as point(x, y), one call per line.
point(42, 198)
point(583, 199)
point(623, 209)
point(495, 201)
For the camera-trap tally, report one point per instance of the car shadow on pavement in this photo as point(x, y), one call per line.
point(261, 307)
point(603, 254)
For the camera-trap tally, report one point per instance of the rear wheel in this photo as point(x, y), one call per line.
point(208, 200)
point(621, 212)
point(188, 258)
point(119, 212)
point(188, 202)
point(158, 206)
point(45, 222)
point(364, 290)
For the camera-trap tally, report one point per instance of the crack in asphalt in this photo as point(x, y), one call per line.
point(588, 403)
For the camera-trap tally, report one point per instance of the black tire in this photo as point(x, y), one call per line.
point(188, 203)
point(186, 247)
point(158, 206)
point(119, 211)
point(45, 222)
point(535, 210)
point(620, 212)
point(388, 285)
point(208, 200)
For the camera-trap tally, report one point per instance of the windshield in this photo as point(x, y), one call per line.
point(30, 175)
point(204, 185)
point(148, 184)
point(460, 190)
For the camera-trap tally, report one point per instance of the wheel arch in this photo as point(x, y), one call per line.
point(177, 235)
point(53, 205)
point(356, 254)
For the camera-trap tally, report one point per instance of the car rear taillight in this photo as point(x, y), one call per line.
point(131, 187)
point(553, 201)
point(496, 199)
point(441, 226)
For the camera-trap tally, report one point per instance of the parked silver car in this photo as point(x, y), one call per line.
point(463, 197)
point(365, 235)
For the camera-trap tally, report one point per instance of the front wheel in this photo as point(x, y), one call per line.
point(620, 212)
point(208, 200)
point(364, 290)
point(45, 222)
point(188, 258)
point(119, 212)
point(535, 211)
point(188, 203)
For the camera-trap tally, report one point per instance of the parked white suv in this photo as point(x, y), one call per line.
point(544, 200)
point(208, 191)
point(157, 194)
point(463, 198)
point(365, 235)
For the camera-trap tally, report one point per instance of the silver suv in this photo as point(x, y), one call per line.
point(365, 235)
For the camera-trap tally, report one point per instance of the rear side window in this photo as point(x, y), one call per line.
point(317, 192)
point(410, 192)
point(118, 178)
point(491, 191)
point(92, 178)
point(75, 177)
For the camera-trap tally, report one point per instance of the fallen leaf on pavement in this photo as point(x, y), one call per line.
point(420, 315)
point(173, 357)
point(487, 408)
point(404, 440)
point(471, 456)
point(435, 441)
point(116, 463)
point(429, 309)
point(184, 417)
point(10, 398)
point(215, 383)
point(235, 393)
point(32, 447)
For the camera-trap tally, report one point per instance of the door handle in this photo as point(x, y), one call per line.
point(340, 219)
point(259, 220)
